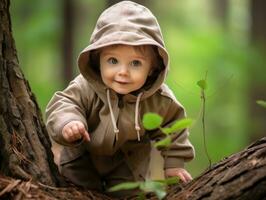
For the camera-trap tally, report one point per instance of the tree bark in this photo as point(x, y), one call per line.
point(26, 156)
point(241, 176)
point(25, 145)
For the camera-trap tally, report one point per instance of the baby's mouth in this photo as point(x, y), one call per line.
point(122, 82)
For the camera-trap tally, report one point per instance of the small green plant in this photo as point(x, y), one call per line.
point(153, 121)
point(157, 187)
point(261, 103)
point(203, 86)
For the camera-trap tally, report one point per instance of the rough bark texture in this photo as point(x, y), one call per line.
point(240, 176)
point(25, 146)
point(17, 189)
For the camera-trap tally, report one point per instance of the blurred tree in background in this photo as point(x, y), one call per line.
point(257, 88)
point(227, 38)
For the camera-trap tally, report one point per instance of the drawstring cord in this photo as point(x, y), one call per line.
point(116, 130)
point(137, 127)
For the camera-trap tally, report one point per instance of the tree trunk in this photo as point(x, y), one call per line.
point(25, 145)
point(258, 24)
point(220, 8)
point(257, 80)
point(25, 153)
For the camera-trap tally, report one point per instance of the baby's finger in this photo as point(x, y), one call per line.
point(86, 136)
point(187, 176)
point(84, 133)
point(182, 177)
point(76, 135)
point(68, 134)
point(75, 129)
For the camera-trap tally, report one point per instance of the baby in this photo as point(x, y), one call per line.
point(98, 116)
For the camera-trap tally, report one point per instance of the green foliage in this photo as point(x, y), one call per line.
point(163, 143)
point(157, 187)
point(125, 186)
point(261, 103)
point(202, 84)
point(154, 186)
point(195, 49)
point(178, 125)
point(171, 180)
point(152, 121)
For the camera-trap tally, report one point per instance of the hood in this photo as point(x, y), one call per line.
point(124, 23)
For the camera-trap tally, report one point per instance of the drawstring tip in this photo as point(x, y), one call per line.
point(138, 136)
point(116, 134)
point(138, 129)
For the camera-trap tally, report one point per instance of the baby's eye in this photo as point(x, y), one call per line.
point(112, 61)
point(136, 63)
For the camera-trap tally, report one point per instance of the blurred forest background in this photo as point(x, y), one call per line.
point(227, 38)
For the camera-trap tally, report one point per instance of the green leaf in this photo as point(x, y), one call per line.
point(163, 143)
point(152, 121)
point(171, 180)
point(160, 194)
point(202, 84)
point(154, 186)
point(166, 130)
point(261, 103)
point(178, 125)
point(124, 186)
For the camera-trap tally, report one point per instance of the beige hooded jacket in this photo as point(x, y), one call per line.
point(88, 100)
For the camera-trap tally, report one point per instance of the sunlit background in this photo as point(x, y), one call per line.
point(224, 38)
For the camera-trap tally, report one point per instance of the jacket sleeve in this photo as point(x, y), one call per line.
point(180, 150)
point(64, 107)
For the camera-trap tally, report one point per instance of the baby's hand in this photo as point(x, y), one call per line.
point(180, 172)
point(75, 130)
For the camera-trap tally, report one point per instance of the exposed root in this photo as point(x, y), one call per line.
point(25, 190)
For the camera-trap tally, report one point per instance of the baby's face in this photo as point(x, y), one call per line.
point(124, 68)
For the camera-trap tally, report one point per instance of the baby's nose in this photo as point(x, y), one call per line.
point(123, 70)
